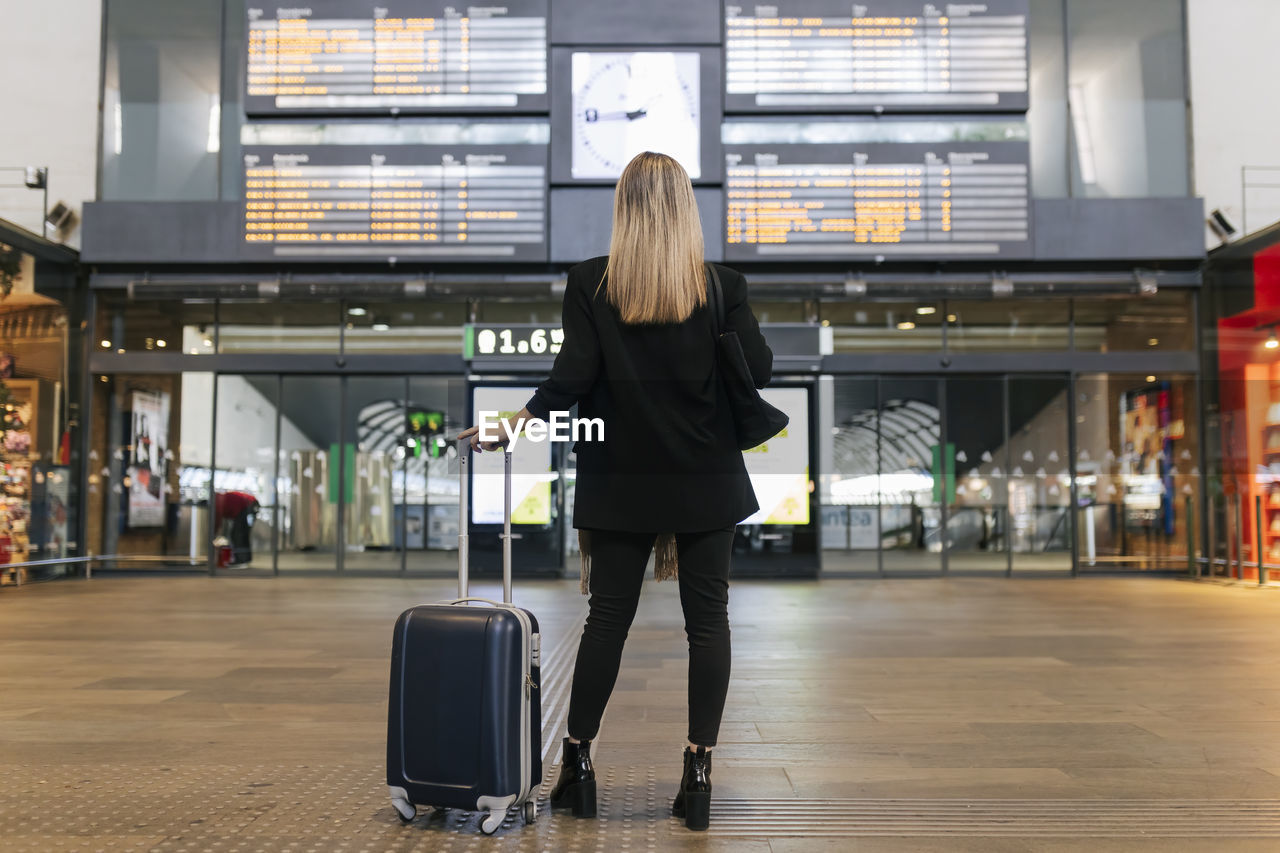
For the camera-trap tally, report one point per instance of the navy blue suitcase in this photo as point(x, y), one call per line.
point(464, 724)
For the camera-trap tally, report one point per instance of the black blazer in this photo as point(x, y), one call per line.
point(669, 462)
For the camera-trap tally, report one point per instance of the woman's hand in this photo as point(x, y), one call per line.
point(507, 428)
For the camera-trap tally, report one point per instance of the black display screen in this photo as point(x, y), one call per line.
point(891, 55)
point(893, 199)
point(437, 202)
point(396, 56)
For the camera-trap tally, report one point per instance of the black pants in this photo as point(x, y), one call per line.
point(618, 562)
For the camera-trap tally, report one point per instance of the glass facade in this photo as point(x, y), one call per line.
point(1035, 466)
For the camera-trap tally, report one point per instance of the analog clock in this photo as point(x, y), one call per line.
point(625, 103)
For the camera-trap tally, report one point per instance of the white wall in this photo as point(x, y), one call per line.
point(49, 65)
point(1234, 69)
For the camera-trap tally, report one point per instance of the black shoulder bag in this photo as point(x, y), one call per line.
point(755, 419)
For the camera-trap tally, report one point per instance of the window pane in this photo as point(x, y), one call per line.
point(161, 116)
point(1137, 443)
point(245, 480)
point(1127, 98)
point(295, 327)
point(884, 326)
point(404, 327)
point(153, 325)
point(1162, 321)
point(1048, 113)
point(1009, 325)
point(850, 496)
point(310, 474)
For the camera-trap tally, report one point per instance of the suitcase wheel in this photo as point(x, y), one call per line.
point(492, 821)
point(530, 811)
point(405, 810)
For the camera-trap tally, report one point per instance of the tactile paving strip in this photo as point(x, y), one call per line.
point(303, 809)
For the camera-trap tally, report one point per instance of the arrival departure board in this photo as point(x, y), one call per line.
point(427, 202)
point(895, 55)
point(891, 199)
point(397, 56)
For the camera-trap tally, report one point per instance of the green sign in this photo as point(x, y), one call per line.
point(943, 474)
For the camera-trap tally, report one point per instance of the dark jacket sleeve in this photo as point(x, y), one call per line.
point(578, 362)
point(739, 318)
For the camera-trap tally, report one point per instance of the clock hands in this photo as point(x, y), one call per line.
point(629, 115)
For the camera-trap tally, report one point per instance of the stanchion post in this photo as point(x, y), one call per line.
point(1239, 502)
point(1257, 532)
point(1191, 539)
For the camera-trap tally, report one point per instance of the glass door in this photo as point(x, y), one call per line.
point(909, 417)
point(1040, 473)
point(974, 485)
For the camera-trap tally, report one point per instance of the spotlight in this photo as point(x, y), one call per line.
point(925, 310)
point(1272, 343)
point(357, 311)
point(906, 325)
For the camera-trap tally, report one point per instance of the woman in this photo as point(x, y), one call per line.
point(639, 353)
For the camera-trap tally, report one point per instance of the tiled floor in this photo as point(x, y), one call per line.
point(244, 714)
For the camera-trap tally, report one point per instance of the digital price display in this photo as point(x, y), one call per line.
point(831, 202)
point(454, 202)
point(512, 340)
point(813, 55)
point(396, 55)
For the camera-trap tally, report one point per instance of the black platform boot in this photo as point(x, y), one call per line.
point(693, 802)
point(576, 786)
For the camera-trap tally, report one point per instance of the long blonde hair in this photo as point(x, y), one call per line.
point(655, 272)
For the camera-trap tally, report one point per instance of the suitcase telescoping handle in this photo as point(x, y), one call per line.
point(464, 522)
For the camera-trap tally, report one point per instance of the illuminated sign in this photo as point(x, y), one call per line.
point(840, 201)
point(456, 202)
point(779, 468)
point(531, 473)
point(394, 56)
point(512, 341)
point(904, 55)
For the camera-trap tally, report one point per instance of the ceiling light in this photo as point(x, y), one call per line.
point(357, 311)
point(381, 327)
point(924, 310)
point(1151, 379)
point(160, 342)
point(1153, 342)
point(906, 325)
point(1272, 343)
point(951, 318)
point(106, 344)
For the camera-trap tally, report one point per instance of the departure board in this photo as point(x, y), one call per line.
point(892, 199)
point(397, 56)
point(427, 202)
point(891, 55)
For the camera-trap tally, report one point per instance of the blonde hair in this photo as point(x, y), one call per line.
point(655, 272)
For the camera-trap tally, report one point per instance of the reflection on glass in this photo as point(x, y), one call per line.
point(910, 516)
point(1040, 475)
point(295, 327)
point(244, 517)
point(976, 482)
point(884, 326)
point(850, 495)
point(1127, 94)
point(1008, 325)
point(376, 422)
point(1137, 442)
point(1161, 322)
point(311, 473)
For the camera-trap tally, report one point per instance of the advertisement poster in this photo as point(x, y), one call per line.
point(1147, 432)
point(149, 442)
point(779, 468)
point(530, 466)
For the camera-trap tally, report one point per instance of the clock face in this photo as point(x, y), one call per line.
point(626, 103)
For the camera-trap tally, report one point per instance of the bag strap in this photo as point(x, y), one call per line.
point(717, 300)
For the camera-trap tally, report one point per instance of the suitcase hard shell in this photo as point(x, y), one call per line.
point(464, 725)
